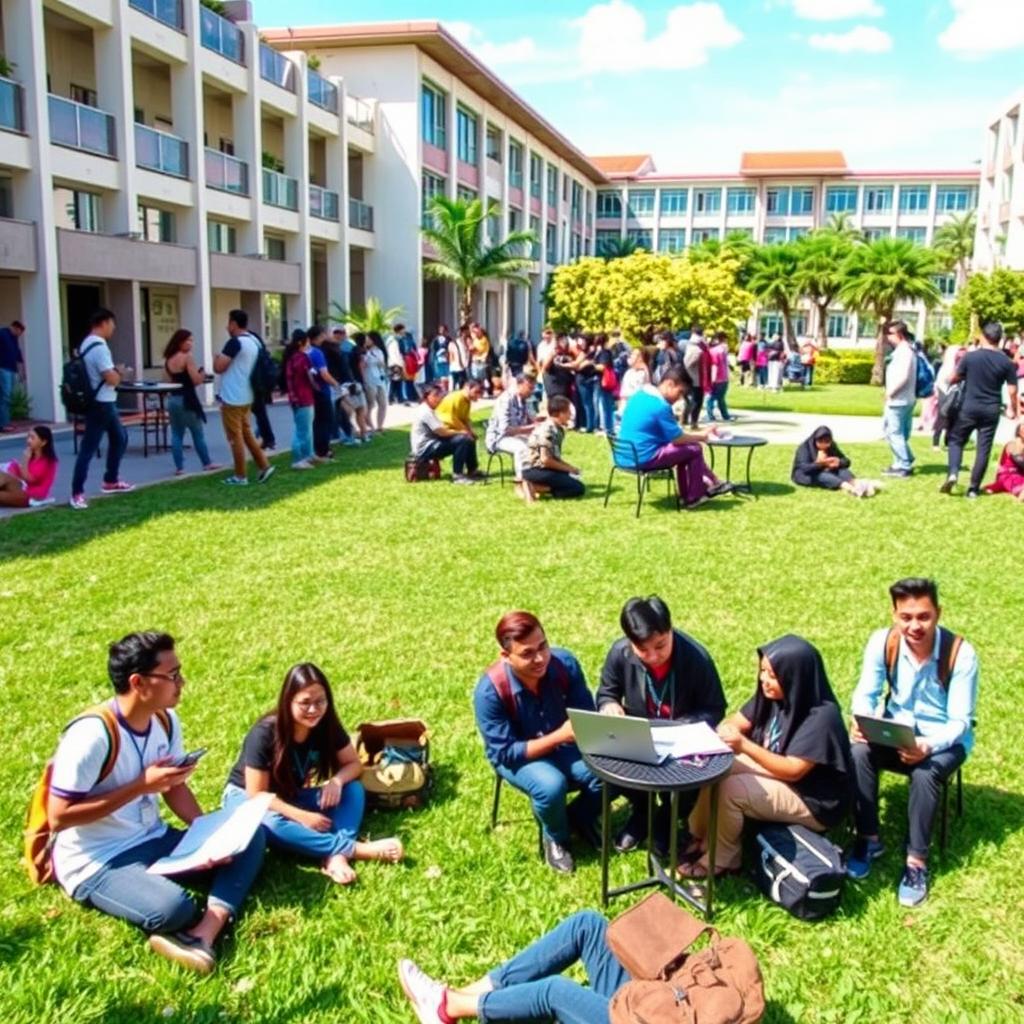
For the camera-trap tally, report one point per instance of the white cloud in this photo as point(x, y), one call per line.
point(984, 26)
point(862, 39)
point(834, 10)
point(516, 51)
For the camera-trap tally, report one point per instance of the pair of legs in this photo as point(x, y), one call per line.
point(514, 445)
point(376, 398)
point(101, 419)
point(587, 388)
point(897, 421)
point(830, 479)
point(694, 404)
point(302, 434)
point(662, 823)
point(461, 448)
point(8, 378)
point(559, 483)
point(717, 397)
point(692, 473)
point(747, 792)
point(959, 433)
point(12, 491)
point(323, 423)
point(238, 431)
point(263, 427)
point(182, 419)
point(606, 409)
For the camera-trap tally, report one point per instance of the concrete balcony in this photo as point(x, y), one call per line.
point(121, 258)
point(159, 25)
point(322, 93)
point(76, 126)
point(221, 36)
point(323, 203)
point(169, 12)
point(18, 245)
point(361, 117)
point(226, 173)
point(161, 152)
point(360, 215)
point(280, 190)
point(254, 274)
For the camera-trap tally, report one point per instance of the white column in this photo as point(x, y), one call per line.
point(247, 136)
point(296, 159)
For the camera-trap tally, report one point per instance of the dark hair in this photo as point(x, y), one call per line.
point(135, 653)
point(326, 738)
point(315, 331)
point(18, 324)
point(914, 586)
point(558, 404)
point(515, 626)
point(399, 326)
point(677, 375)
point(101, 316)
point(239, 318)
point(178, 338)
point(434, 387)
point(696, 329)
point(720, 336)
point(297, 340)
point(375, 337)
point(45, 435)
point(899, 326)
point(642, 617)
point(993, 332)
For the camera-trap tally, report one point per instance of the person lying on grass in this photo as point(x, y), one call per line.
point(302, 754)
point(818, 462)
point(793, 761)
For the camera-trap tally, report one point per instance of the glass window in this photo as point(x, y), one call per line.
point(609, 204)
point(82, 94)
point(552, 185)
point(641, 202)
point(873, 234)
point(515, 220)
point(515, 164)
point(795, 233)
point(577, 200)
point(740, 200)
point(6, 196)
point(867, 326)
point(914, 198)
point(536, 171)
point(78, 211)
point(432, 185)
point(671, 239)
point(838, 325)
point(273, 248)
point(916, 235)
point(535, 228)
point(774, 236)
point(802, 200)
point(575, 245)
point(1006, 186)
point(221, 237)
point(550, 241)
point(674, 201)
point(641, 237)
point(434, 116)
point(467, 150)
point(493, 143)
point(946, 283)
point(467, 195)
point(776, 201)
point(878, 200)
point(707, 200)
point(607, 240)
point(704, 235)
point(841, 199)
point(156, 225)
point(956, 199)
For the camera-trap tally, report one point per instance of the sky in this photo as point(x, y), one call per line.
point(894, 84)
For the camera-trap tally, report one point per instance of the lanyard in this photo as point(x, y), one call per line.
point(669, 687)
point(131, 735)
point(302, 767)
point(774, 733)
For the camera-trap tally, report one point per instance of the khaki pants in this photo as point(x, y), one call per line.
point(238, 431)
point(747, 792)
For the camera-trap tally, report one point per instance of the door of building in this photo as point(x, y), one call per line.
point(80, 302)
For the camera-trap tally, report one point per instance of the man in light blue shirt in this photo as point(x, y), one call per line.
point(925, 677)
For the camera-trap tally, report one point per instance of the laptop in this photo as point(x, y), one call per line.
point(886, 732)
point(615, 736)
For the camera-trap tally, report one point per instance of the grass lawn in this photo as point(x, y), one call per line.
point(394, 590)
point(835, 399)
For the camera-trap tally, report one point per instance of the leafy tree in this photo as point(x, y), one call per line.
point(617, 248)
point(879, 275)
point(737, 245)
point(461, 255)
point(842, 224)
point(998, 296)
point(818, 274)
point(772, 281)
point(954, 242)
point(371, 317)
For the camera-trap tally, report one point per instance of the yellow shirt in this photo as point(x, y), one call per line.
point(454, 411)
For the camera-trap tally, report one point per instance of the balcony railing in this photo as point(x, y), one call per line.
point(359, 113)
point(11, 105)
point(170, 12)
point(221, 36)
point(158, 151)
point(280, 190)
point(360, 215)
point(321, 92)
point(277, 68)
point(323, 203)
point(227, 173)
point(80, 127)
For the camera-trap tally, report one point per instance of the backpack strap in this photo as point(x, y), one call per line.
point(949, 647)
point(163, 716)
point(892, 655)
point(106, 715)
point(497, 672)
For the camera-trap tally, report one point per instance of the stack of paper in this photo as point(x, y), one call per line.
point(688, 740)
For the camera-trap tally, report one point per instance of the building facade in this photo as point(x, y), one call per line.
point(1000, 238)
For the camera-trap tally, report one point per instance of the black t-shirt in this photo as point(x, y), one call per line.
point(258, 753)
point(984, 372)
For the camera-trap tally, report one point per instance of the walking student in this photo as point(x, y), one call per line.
point(184, 410)
point(898, 414)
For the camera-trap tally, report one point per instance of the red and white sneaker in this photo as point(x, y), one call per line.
point(425, 994)
point(77, 501)
point(118, 485)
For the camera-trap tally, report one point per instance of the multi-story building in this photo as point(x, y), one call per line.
point(1000, 238)
point(777, 197)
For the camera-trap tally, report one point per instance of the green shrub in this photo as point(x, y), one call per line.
point(21, 404)
point(844, 366)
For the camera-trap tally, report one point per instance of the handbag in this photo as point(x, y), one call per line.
point(950, 401)
point(609, 382)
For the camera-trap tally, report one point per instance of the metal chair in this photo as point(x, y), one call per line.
point(944, 820)
point(625, 459)
point(498, 780)
point(500, 456)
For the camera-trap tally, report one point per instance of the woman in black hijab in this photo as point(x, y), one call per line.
point(792, 755)
point(819, 463)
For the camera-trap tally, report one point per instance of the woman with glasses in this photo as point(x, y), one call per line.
point(302, 754)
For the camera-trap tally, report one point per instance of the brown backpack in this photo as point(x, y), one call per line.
point(719, 984)
point(396, 762)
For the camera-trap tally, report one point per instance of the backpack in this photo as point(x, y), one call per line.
point(39, 836)
point(497, 672)
point(924, 376)
point(421, 469)
point(395, 755)
point(76, 392)
point(949, 648)
point(517, 352)
point(671, 984)
point(266, 372)
point(799, 869)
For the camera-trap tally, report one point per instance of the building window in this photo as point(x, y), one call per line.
point(492, 144)
point(494, 228)
point(946, 283)
point(795, 233)
point(707, 200)
point(802, 201)
point(515, 220)
point(776, 201)
point(838, 325)
point(867, 327)
point(878, 200)
point(609, 205)
point(551, 243)
point(674, 201)
point(607, 241)
point(1006, 186)
point(434, 116)
point(704, 235)
point(740, 200)
point(467, 195)
point(774, 236)
point(839, 199)
point(156, 225)
point(466, 127)
point(914, 198)
point(915, 235)
point(642, 238)
point(536, 172)
point(671, 240)
point(575, 246)
point(641, 202)
point(955, 199)
point(515, 165)
point(552, 185)
point(78, 211)
point(432, 185)
point(535, 248)
point(273, 248)
point(221, 237)
point(80, 94)
point(6, 196)
point(873, 234)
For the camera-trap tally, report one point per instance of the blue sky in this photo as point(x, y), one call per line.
point(895, 84)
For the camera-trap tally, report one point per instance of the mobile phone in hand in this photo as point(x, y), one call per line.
point(190, 758)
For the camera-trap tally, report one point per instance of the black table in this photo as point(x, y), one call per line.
point(674, 777)
point(158, 423)
point(729, 443)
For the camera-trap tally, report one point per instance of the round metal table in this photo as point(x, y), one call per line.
point(747, 441)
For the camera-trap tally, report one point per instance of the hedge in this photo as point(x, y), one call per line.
point(844, 366)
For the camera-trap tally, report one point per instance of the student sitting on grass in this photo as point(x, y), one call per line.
point(302, 754)
point(818, 462)
point(27, 481)
point(108, 833)
point(792, 756)
point(1010, 474)
point(543, 463)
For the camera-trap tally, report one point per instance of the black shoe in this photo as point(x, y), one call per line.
point(558, 857)
point(947, 486)
point(896, 472)
point(625, 841)
point(722, 487)
point(588, 832)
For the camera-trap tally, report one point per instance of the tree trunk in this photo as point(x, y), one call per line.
point(878, 370)
point(466, 307)
point(822, 325)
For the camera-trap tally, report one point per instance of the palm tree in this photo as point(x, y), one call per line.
point(879, 275)
point(954, 241)
point(737, 245)
point(819, 273)
point(618, 248)
point(771, 278)
point(842, 224)
point(462, 256)
point(371, 317)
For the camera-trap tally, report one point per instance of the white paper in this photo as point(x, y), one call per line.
point(215, 837)
point(688, 740)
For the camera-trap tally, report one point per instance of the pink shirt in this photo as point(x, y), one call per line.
point(719, 364)
point(41, 474)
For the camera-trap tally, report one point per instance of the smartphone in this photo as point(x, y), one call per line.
point(190, 759)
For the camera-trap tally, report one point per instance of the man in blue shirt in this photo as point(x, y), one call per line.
point(933, 686)
point(521, 704)
point(649, 423)
point(11, 362)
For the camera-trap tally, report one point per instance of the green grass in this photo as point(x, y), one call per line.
point(835, 399)
point(394, 589)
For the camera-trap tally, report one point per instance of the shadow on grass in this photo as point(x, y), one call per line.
point(19, 941)
point(288, 1010)
point(776, 1013)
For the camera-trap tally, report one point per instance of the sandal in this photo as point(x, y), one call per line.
point(388, 850)
point(696, 871)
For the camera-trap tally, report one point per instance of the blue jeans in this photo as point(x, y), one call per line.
point(183, 419)
point(808, 374)
point(587, 387)
point(101, 419)
point(530, 985)
point(717, 397)
point(302, 432)
point(8, 378)
point(285, 834)
point(897, 421)
point(123, 888)
point(606, 407)
point(548, 780)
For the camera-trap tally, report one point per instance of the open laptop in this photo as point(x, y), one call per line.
point(615, 736)
point(886, 732)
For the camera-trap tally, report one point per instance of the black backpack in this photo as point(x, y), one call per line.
point(798, 869)
point(76, 392)
point(265, 371)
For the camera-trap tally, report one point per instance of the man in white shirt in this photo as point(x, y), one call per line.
point(429, 438)
point(107, 826)
point(898, 415)
point(511, 422)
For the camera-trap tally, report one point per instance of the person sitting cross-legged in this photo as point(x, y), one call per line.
point(521, 703)
point(430, 438)
point(543, 463)
point(819, 462)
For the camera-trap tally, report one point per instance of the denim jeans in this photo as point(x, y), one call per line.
point(548, 780)
point(606, 407)
point(263, 427)
point(587, 387)
point(285, 834)
point(123, 887)
point(897, 421)
point(530, 985)
point(717, 397)
point(101, 419)
point(8, 378)
point(183, 419)
point(461, 448)
point(302, 432)
point(323, 423)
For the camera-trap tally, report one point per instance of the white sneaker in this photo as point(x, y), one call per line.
point(78, 501)
point(423, 992)
point(303, 464)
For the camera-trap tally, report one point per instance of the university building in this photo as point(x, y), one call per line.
point(1000, 238)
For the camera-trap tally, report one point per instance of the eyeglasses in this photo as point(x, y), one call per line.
point(170, 677)
point(311, 705)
